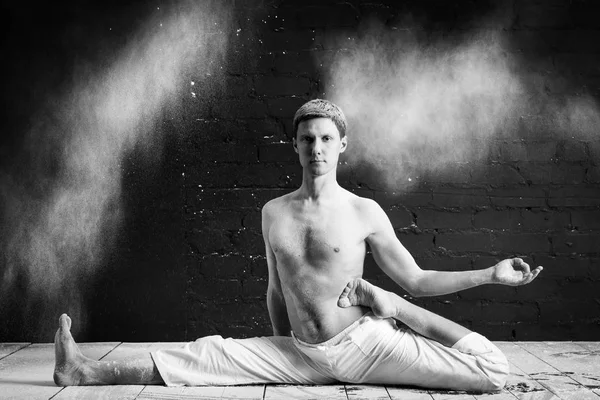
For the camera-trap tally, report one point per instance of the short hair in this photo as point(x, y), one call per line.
point(319, 108)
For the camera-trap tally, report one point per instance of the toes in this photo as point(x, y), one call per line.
point(65, 322)
point(344, 302)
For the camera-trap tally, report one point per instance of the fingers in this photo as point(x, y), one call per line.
point(531, 276)
point(518, 263)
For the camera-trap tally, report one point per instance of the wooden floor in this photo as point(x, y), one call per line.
point(540, 370)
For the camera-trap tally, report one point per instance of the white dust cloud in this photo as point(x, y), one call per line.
point(63, 210)
point(431, 112)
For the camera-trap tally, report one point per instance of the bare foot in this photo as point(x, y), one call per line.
point(70, 362)
point(359, 292)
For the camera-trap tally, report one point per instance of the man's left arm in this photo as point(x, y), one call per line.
point(395, 260)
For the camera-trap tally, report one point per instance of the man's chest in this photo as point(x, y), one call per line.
point(316, 238)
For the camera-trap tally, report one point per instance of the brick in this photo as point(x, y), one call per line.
point(297, 40)
point(248, 242)
point(586, 220)
point(444, 263)
point(282, 86)
point(574, 196)
point(456, 310)
point(570, 174)
point(299, 64)
point(500, 293)
point(559, 268)
point(572, 151)
point(254, 288)
point(253, 221)
point(263, 175)
point(217, 290)
point(390, 199)
point(268, 129)
point(285, 107)
point(521, 243)
point(594, 150)
point(545, 220)
point(454, 172)
point(511, 312)
point(223, 266)
point(527, 151)
point(593, 174)
point(416, 243)
point(494, 219)
point(576, 243)
point(277, 152)
point(519, 197)
point(540, 289)
point(212, 175)
point(550, 16)
point(498, 174)
point(435, 219)
point(572, 311)
point(217, 219)
point(226, 152)
point(452, 197)
point(240, 108)
point(535, 173)
point(198, 198)
point(203, 132)
point(342, 15)
point(467, 242)
point(204, 241)
point(400, 217)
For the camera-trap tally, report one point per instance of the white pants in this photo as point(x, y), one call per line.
point(371, 350)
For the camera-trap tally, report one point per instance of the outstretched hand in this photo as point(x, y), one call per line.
point(514, 272)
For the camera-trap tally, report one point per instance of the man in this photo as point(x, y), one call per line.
point(329, 325)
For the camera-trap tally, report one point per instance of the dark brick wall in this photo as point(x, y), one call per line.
point(536, 196)
point(190, 259)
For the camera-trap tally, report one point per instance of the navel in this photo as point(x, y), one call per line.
point(336, 249)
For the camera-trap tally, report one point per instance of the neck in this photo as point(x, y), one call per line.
point(315, 187)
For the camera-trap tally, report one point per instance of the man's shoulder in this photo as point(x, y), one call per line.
point(276, 203)
point(362, 204)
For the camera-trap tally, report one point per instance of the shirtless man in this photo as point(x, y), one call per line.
point(329, 325)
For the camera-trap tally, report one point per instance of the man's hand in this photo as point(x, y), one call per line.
point(514, 272)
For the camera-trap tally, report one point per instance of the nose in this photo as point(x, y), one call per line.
point(316, 150)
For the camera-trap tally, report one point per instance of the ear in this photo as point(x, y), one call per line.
point(344, 144)
point(295, 144)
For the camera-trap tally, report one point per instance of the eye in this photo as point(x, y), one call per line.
point(327, 138)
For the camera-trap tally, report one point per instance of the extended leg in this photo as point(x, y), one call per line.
point(72, 368)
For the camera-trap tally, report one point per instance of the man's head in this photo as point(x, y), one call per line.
point(319, 136)
point(319, 108)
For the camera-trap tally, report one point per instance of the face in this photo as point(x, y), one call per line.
point(319, 146)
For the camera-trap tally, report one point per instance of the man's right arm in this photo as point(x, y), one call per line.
point(275, 301)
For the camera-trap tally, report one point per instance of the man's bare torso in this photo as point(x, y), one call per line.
point(319, 246)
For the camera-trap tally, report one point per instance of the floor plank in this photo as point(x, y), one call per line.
point(502, 395)
point(400, 393)
point(290, 392)
point(572, 359)
point(548, 376)
point(27, 374)
point(255, 392)
point(451, 395)
point(167, 393)
point(360, 392)
point(9, 348)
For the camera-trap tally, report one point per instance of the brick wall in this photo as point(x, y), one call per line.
point(535, 195)
point(189, 259)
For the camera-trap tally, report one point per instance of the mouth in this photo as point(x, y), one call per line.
point(316, 161)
